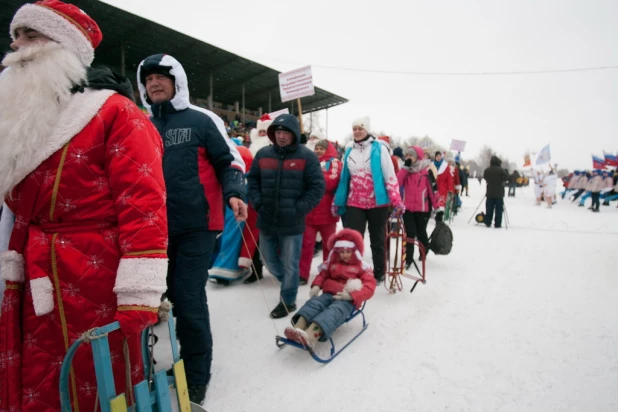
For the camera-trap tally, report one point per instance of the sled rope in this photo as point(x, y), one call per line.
point(255, 272)
point(88, 337)
point(127, 370)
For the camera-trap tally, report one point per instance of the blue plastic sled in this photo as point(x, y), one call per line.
point(282, 341)
point(146, 400)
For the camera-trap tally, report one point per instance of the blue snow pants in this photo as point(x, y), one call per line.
point(326, 312)
point(189, 257)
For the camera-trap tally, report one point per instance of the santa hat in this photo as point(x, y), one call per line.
point(362, 122)
point(263, 122)
point(317, 135)
point(64, 23)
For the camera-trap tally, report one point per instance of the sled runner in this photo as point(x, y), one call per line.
point(395, 266)
point(152, 394)
point(281, 341)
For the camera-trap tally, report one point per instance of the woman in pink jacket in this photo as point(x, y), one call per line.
point(418, 198)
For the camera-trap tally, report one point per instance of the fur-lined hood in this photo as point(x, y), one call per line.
point(180, 101)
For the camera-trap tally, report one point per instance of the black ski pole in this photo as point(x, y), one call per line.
point(477, 208)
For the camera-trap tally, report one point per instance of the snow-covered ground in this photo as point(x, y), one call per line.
point(524, 319)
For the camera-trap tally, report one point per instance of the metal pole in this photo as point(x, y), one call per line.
point(122, 59)
point(327, 123)
point(210, 96)
point(243, 104)
point(270, 107)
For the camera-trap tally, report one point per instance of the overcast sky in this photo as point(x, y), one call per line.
point(576, 113)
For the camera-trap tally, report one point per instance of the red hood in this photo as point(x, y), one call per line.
point(331, 153)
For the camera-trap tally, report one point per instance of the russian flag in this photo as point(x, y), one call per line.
point(598, 163)
point(611, 160)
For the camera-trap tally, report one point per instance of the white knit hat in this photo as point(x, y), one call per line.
point(363, 122)
point(64, 23)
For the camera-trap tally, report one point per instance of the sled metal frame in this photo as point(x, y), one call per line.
point(396, 270)
point(145, 399)
point(282, 341)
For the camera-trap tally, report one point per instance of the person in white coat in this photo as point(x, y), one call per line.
point(549, 188)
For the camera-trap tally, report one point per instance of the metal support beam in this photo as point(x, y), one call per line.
point(122, 59)
point(243, 104)
point(210, 95)
point(270, 105)
point(244, 79)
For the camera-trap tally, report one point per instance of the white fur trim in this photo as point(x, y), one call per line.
point(244, 262)
point(82, 108)
point(7, 221)
point(263, 125)
point(12, 267)
point(364, 265)
point(181, 100)
point(344, 244)
point(42, 296)
point(141, 281)
point(353, 285)
point(258, 143)
point(56, 27)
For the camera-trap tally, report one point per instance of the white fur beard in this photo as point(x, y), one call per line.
point(35, 88)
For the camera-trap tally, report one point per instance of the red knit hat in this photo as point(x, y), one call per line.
point(346, 239)
point(64, 23)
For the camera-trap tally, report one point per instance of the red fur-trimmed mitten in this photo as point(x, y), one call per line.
point(134, 319)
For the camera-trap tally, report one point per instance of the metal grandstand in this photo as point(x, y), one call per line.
point(232, 79)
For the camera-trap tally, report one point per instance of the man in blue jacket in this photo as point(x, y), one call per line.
point(202, 170)
point(285, 182)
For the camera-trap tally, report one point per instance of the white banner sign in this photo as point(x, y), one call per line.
point(296, 84)
point(458, 145)
point(274, 115)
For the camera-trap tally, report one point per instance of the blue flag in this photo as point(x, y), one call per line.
point(544, 156)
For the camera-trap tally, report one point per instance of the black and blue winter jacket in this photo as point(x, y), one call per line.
point(285, 183)
point(201, 165)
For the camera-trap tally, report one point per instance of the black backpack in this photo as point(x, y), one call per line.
point(441, 239)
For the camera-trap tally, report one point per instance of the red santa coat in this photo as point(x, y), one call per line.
point(321, 214)
point(250, 232)
point(89, 241)
point(445, 183)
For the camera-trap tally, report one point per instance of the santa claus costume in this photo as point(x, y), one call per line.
point(259, 137)
point(80, 167)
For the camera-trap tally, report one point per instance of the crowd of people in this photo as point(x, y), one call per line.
point(108, 211)
point(596, 185)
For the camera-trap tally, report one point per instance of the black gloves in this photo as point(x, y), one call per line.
point(407, 163)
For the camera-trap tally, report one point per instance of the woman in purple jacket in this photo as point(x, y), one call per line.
point(418, 198)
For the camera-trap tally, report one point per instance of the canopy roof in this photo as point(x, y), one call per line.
point(141, 38)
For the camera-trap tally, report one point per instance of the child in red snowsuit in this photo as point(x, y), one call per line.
point(346, 282)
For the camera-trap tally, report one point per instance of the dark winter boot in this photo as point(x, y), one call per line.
point(197, 393)
point(221, 282)
point(280, 311)
point(317, 248)
point(302, 282)
point(252, 278)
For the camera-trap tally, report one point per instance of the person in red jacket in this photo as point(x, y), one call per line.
point(81, 168)
point(346, 282)
point(444, 179)
point(321, 220)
